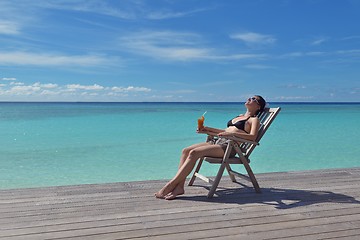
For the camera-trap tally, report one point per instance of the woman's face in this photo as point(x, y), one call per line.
point(253, 103)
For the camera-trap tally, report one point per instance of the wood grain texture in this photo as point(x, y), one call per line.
point(321, 204)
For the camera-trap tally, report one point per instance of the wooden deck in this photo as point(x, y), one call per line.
point(295, 205)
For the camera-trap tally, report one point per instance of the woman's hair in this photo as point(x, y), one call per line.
point(262, 103)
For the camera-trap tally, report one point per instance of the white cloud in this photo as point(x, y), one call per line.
point(9, 28)
point(16, 83)
point(47, 85)
point(347, 53)
point(164, 45)
point(294, 98)
point(16, 15)
point(130, 89)
point(24, 90)
point(319, 41)
point(82, 87)
point(98, 7)
point(167, 14)
point(49, 93)
point(116, 94)
point(237, 57)
point(175, 46)
point(254, 38)
point(350, 38)
point(316, 53)
point(44, 59)
point(129, 10)
point(8, 79)
point(56, 92)
point(352, 52)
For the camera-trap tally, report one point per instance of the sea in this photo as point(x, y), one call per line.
point(55, 144)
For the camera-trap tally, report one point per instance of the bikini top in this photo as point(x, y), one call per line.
point(239, 124)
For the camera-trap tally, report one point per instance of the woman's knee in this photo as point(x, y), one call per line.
point(194, 154)
point(186, 151)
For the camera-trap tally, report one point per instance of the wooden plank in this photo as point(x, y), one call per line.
point(255, 219)
point(313, 204)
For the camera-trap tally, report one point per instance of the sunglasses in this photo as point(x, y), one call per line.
point(254, 99)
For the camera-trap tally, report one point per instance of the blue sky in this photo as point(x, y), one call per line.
point(184, 50)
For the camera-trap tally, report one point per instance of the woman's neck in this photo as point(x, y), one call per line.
point(250, 114)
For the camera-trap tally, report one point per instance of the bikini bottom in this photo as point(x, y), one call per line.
point(223, 143)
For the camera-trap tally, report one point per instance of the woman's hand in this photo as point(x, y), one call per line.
point(201, 130)
point(210, 131)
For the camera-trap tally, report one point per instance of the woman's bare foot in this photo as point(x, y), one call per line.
point(159, 195)
point(167, 189)
point(176, 192)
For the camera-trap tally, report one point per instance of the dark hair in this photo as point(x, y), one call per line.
point(261, 102)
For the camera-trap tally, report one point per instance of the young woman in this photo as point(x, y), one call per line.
point(244, 126)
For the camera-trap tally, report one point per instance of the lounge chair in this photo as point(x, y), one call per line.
point(243, 148)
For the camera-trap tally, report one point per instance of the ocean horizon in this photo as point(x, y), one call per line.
point(66, 143)
point(275, 102)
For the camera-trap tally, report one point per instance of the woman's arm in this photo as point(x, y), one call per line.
point(210, 131)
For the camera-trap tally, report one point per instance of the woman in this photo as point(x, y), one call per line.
point(244, 126)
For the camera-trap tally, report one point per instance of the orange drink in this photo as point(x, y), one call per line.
point(201, 122)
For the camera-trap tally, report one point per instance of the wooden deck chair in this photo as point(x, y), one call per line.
point(243, 148)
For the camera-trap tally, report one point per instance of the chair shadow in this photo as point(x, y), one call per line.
point(278, 197)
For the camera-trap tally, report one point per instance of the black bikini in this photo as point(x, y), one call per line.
point(239, 124)
point(223, 141)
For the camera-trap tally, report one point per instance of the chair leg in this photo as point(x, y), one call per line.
point(220, 172)
point(248, 169)
point(216, 180)
point(251, 174)
point(191, 182)
point(232, 176)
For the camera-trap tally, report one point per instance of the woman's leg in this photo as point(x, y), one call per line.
point(184, 155)
point(187, 166)
point(186, 151)
point(180, 187)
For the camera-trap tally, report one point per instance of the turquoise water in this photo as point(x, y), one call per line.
point(51, 144)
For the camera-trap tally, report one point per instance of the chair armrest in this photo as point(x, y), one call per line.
point(237, 139)
point(211, 138)
point(212, 134)
point(234, 138)
point(209, 134)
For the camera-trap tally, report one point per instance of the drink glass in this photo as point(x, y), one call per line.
point(201, 122)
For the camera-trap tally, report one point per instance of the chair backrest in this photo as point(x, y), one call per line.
point(266, 118)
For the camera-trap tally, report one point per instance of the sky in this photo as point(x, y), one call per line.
point(180, 50)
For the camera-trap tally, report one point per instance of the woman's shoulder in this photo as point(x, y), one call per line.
point(254, 119)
